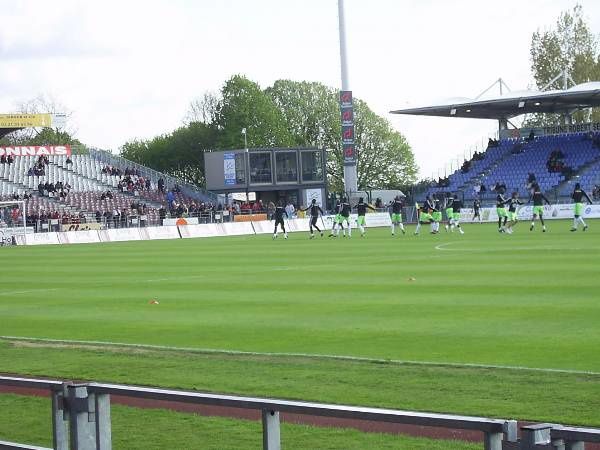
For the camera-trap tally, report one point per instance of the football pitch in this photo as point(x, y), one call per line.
point(481, 323)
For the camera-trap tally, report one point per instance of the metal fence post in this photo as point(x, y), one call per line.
point(60, 429)
point(532, 435)
point(511, 431)
point(271, 430)
point(103, 425)
point(492, 441)
point(81, 418)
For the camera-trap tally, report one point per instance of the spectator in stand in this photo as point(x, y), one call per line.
point(162, 213)
point(161, 185)
point(596, 192)
point(98, 216)
point(378, 203)
point(3, 159)
point(10, 159)
point(68, 161)
point(290, 210)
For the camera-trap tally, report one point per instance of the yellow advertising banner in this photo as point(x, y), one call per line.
point(25, 120)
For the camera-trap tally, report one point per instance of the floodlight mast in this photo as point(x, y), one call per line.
point(350, 175)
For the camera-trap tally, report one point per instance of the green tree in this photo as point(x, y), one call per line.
point(180, 153)
point(287, 114)
point(243, 105)
point(569, 45)
point(312, 115)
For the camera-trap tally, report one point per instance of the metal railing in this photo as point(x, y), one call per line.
point(81, 417)
point(81, 413)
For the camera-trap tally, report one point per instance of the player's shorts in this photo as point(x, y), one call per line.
point(456, 215)
point(396, 218)
point(476, 212)
point(538, 210)
point(501, 212)
point(338, 218)
point(279, 222)
point(361, 221)
point(313, 220)
point(512, 215)
point(437, 216)
point(578, 209)
point(346, 219)
point(449, 213)
point(424, 217)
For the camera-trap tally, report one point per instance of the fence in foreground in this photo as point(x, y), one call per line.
point(81, 417)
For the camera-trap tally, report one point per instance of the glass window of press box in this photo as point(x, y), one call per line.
point(312, 166)
point(286, 167)
point(260, 168)
point(240, 169)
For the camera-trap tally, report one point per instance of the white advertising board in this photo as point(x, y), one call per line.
point(79, 237)
point(42, 239)
point(152, 233)
point(120, 235)
point(181, 221)
point(372, 219)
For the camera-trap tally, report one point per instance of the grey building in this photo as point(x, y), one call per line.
point(290, 174)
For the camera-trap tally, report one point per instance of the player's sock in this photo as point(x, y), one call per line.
point(349, 231)
point(362, 229)
point(285, 234)
point(532, 225)
point(418, 228)
point(402, 228)
point(460, 229)
point(393, 229)
point(575, 222)
point(582, 222)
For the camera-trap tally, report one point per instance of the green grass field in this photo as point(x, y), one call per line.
point(425, 312)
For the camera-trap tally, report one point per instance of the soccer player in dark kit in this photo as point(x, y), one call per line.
point(279, 213)
point(538, 206)
point(476, 210)
point(315, 210)
point(397, 204)
point(361, 209)
point(577, 196)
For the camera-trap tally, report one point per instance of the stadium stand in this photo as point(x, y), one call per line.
point(78, 188)
point(554, 160)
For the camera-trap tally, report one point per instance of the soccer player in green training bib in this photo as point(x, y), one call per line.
point(449, 212)
point(424, 217)
point(538, 206)
point(397, 204)
point(361, 209)
point(577, 196)
point(337, 219)
point(513, 203)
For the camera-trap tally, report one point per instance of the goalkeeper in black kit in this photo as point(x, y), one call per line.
point(315, 210)
point(279, 213)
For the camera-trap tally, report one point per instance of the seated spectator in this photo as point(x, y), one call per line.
point(30, 172)
point(492, 143)
point(378, 203)
point(10, 159)
point(98, 216)
point(69, 161)
point(3, 159)
point(531, 136)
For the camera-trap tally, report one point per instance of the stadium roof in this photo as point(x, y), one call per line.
point(514, 104)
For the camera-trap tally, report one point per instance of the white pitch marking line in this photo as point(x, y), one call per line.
point(30, 291)
point(300, 355)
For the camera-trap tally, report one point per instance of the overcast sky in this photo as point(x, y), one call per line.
point(129, 69)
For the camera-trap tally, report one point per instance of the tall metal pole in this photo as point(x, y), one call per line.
point(350, 175)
